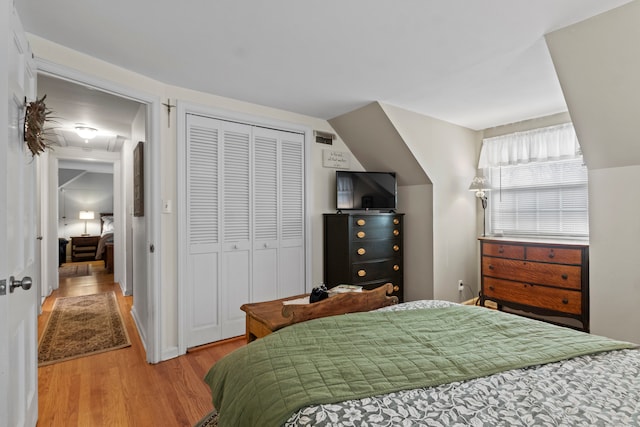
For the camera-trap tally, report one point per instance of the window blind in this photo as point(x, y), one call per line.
point(539, 199)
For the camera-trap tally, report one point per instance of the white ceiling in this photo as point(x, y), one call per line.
point(475, 63)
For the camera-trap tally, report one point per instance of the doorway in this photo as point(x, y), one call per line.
point(122, 119)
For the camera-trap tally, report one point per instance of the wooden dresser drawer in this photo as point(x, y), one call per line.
point(561, 300)
point(556, 255)
point(370, 250)
point(503, 251)
point(367, 271)
point(564, 276)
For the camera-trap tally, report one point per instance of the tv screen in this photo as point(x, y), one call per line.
point(365, 190)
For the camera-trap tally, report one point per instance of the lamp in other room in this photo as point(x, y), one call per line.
point(86, 215)
point(480, 185)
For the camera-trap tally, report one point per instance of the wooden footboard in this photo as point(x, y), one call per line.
point(269, 316)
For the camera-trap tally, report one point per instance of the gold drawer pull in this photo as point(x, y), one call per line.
point(361, 234)
point(396, 248)
point(501, 250)
point(396, 221)
point(396, 288)
point(565, 301)
point(564, 277)
point(551, 253)
point(396, 267)
point(396, 232)
point(361, 251)
point(361, 222)
point(362, 273)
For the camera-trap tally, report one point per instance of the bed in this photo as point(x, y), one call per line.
point(106, 237)
point(431, 363)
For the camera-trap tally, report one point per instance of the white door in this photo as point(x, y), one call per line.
point(18, 225)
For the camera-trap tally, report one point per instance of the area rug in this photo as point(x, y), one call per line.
point(74, 270)
point(210, 420)
point(81, 326)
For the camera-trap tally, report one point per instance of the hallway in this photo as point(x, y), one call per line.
point(119, 388)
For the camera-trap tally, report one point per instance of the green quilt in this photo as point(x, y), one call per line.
point(357, 355)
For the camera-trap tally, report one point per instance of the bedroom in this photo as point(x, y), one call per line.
point(447, 243)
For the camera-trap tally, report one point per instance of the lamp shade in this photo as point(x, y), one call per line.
point(480, 183)
point(87, 215)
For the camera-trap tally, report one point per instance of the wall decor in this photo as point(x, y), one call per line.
point(138, 180)
point(335, 159)
point(35, 117)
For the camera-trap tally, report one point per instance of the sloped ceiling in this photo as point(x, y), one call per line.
point(377, 145)
point(598, 64)
point(476, 64)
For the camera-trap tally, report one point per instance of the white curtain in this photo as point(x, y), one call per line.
point(345, 192)
point(538, 145)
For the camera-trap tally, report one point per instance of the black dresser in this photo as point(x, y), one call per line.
point(364, 249)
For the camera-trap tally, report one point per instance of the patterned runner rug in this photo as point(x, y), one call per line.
point(74, 270)
point(81, 326)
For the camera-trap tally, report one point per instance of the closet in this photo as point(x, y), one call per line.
point(245, 226)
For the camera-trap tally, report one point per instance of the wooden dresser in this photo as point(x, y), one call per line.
point(549, 279)
point(364, 249)
point(83, 248)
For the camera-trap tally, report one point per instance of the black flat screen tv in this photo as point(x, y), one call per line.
point(366, 190)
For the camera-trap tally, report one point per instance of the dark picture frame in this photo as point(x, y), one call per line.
point(138, 180)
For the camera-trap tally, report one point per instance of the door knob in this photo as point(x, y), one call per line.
point(25, 283)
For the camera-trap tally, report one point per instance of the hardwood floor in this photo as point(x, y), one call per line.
point(119, 388)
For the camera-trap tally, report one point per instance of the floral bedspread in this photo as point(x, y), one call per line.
point(594, 390)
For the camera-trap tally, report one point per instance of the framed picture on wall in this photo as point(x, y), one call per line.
point(138, 180)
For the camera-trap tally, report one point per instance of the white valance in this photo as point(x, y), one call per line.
point(538, 145)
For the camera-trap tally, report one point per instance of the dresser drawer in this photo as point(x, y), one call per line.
point(503, 251)
point(375, 221)
point(375, 233)
point(557, 255)
point(561, 300)
point(367, 271)
point(565, 276)
point(370, 250)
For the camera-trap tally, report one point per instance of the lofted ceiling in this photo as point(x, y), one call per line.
point(477, 64)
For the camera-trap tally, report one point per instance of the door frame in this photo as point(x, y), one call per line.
point(184, 108)
point(152, 183)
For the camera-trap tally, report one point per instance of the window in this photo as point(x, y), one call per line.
point(539, 184)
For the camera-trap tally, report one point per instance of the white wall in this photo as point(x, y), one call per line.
point(614, 218)
point(447, 153)
point(89, 192)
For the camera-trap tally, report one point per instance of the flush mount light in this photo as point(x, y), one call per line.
point(86, 132)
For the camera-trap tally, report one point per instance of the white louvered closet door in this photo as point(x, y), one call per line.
point(203, 231)
point(246, 222)
point(236, 226)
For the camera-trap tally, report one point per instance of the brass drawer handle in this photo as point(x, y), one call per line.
point(501, 250)
point(491, 288)
point(396, 288)
point(361, 234)
point(361, 251)
point(490, 266)
point(361, 222)
point(396, 232)
point(565, 301)
point(396, 248)
point(396, 221)
point(396, 267)
point(362, 273)
point(564, 277)
point(551, 253)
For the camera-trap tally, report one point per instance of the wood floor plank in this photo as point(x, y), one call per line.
point(119, 388)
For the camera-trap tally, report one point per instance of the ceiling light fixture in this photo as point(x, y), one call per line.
point(86, 132)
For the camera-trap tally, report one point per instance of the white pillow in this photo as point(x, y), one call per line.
point(107, 225)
